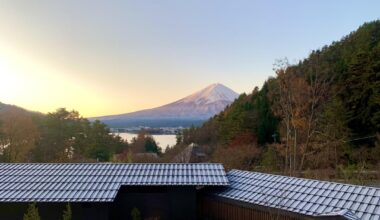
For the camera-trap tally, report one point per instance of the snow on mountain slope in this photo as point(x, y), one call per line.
point(212, 93)
point(202, 104)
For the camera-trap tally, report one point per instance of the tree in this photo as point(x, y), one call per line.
point(266, 125)
point(144, 143)
point(179, 137)
point(297, 100)
point(135, 214)
point(67, 214)
point(99, 143)
point(32, 212)
point(58, 135)
point(68, 137)
point(138, 143)
point(282, 96)
point(332, 135)
point(270, 159)
point(361, 92)
point(376, 153)
point(239, 157)
point(150, 145)
point(19, 135)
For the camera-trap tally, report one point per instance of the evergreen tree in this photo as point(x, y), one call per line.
point(32, 212)
point(135, 214)
point(151, 145)
point(67, 214)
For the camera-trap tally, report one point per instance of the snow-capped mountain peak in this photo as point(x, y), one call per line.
point(212, 93)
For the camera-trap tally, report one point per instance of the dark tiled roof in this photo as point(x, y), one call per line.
point(97, 182)
point(304, 196)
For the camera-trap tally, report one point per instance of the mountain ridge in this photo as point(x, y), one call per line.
point(200, 105)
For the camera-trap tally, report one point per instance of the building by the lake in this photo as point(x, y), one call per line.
point(176, 191)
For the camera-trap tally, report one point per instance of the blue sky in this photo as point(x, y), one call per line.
point(107, 57)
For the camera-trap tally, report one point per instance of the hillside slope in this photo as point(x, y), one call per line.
point(330, 100)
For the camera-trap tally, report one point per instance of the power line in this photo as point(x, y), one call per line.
point(361, 138)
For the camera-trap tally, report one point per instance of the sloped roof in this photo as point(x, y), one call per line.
point(97, 182)
point(303, 196)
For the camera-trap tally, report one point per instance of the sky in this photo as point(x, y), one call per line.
point(110, 57)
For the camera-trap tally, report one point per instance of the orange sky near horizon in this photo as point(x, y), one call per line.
point(40, 87)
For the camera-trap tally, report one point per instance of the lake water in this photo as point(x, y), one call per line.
point(163, 140)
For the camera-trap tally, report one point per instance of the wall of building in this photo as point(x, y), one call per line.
point(211, 208)
point(169, 202)
point(155, 202)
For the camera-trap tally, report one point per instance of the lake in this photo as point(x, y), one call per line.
point(163, 140)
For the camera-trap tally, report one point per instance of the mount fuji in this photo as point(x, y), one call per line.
point(192, 109)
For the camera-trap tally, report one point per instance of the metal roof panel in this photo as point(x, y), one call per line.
point(97, 181)
point(304, 196)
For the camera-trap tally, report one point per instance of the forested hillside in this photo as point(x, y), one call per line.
point(322, 113)
point(61, 136)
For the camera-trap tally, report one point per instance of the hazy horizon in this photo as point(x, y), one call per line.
point(122, 56)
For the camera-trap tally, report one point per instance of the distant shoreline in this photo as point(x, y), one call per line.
point(163, 140)
point(151, 131)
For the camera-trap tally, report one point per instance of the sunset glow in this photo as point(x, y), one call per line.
point(110, 59)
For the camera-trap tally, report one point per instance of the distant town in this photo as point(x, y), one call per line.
point(149, 130)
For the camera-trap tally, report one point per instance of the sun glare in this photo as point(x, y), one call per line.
point(46, 87)
point(8, 78)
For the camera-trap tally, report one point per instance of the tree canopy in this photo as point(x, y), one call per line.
point(61, 136)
